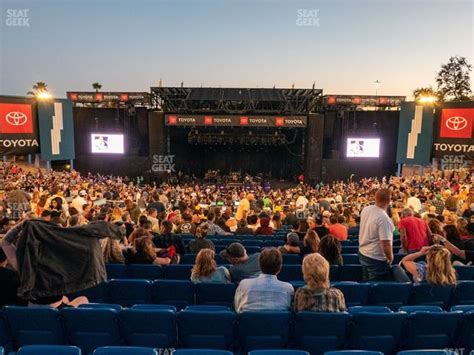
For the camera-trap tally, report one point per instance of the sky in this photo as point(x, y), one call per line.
point(343, 46)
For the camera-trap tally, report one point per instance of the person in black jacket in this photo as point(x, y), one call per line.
point(167, 239)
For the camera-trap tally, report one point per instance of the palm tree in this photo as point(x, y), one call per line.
point(39, 87)
point(96, 86)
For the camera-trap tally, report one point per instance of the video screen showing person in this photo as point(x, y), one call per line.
point(107, 143)
point(363, 148)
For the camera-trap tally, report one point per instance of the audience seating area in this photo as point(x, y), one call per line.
point(215, 327)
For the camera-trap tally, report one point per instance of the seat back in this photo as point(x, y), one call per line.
point(318, 332)
point(390, 294)
point(49, 350)
point(178, 293)
point(215, 294)
point(129, 292)
point(116, 271)
point(426, 294)
point(350, 273)
point(465, 272)
point(145, 271)
point(463, 293)
point(263, 330)
point(154, 328)
point(206, 329)
point(355, 294)
point(412, 309)
point(177, 272)
point(291, 259)
point(465, 333)
point(290, 273)
point(96, 294)
point(124, 350)
point(201, 352)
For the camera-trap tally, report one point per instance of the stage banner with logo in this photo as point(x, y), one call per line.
point(454, 128)
point(18, 126)
point(236, 121)
point(415, 134)
point(56, 129)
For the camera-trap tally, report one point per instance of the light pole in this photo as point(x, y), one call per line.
point(377, 83)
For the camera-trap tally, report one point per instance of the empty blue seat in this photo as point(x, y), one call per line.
point(117, 307)
point(463, 308)
point(177, 272)
point(465, 272)
point(411, 309)
point(349, 249)
point(376, 332)
point(202, 352)
point(90, 329)
point(263, 330)
point(465, 334)
point(278, 352)
point(49, 350)
point(291, 259)
point(391, 294)
point(2, 351)
point(252, 250)
point(426, 294)
point(188, 259)
point(124, 350)
point(290, 273)
point(272, 243)
point(178, 293)
point(334, 272)
point(145, 271)
point(355, 294)
point(352, 259)
point(129, 292)
point(154, 328)
point(431, 330)
point(252, 243)
point(96, 294)
point(154, 306)
point(369, 309)
point(350, 273)
point(463, 293)
point(317, 332)
point(219, 259)
point(5, 338)
point(208, 308)
point(206, 329)
point(426, 352)
point(34, 326)
point(353, 352)
point(215, 293)
point(116, 271)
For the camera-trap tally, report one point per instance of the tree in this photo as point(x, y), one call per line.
point(96, 86)
point(39, 87)
point(453, 79)
point(426, 92)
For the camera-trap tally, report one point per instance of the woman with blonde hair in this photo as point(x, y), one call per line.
point(310, 243)
point(437, 270)
point(318, 295)
point(205, 269)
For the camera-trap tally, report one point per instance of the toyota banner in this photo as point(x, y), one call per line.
point(455, 124)
point(18, 126)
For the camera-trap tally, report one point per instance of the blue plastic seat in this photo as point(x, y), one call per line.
point(463, 293)
point(355, 294)
point(465, 334)
point(252, 242)
point(426, 352)
point(252, 250)
point(208, 308)
point(116, 271)
point(352, 259)
point(202, 352)
point(178, 293)
point(290, 273)
point(129, 292)
point(412, 309)
point(49, 350)
point(317, 332)
point(369, 309)
point(463, 308)
point(90, 329)
point(145, 271)
point(272, 243)
point(117, 307)
point(153, 328)
point(291, 259)
point(278, 352)
point(376, 332)
point(349, 249)
point(124, 350)
point(431, 330)
point(96, 294)
point(465, 272)
point(188, 259)
point(2, 351)
point(155, 306)
point(390, 294)
point(263, 330)
point(350, 273)
point(215, 293)
point(34, 326)
point(177, 272)
point(5, 338)
point(426, 294)
point(334, 272)
point(206, 329)
point(353, 352)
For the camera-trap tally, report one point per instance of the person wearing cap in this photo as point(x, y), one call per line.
point(265, 292)
point(244, 207)
point(79, 201)
point(243, 265)
point(292, 245)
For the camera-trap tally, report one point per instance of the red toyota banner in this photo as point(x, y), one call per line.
point(456, 123)
point(16, 118)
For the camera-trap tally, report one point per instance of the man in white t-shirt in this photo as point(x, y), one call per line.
point(414, 203)
point(375, 239)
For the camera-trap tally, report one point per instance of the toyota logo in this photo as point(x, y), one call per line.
point(456, 123)
point(16, 118)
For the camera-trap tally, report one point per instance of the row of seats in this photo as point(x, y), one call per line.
point(294, 259)
point(256, 249)
point(181, 293)
point(253, 240)
point(289, 272)
point(219, 328)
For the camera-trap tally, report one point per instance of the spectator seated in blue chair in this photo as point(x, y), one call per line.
point(206, 270)
point(330, 248)
point(437, 270)
point(317, 295)
point(200, 242)
point(292, 245)
point(144, 252)
point(310, 243)
point(243, 266)
point(265, 292)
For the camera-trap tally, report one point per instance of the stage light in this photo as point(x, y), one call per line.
point(43, 95)
point(427, 99)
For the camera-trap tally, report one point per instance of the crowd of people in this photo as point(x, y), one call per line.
point(433, 216)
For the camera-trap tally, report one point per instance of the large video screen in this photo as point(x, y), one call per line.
point(363, 147)
point(106, 143)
